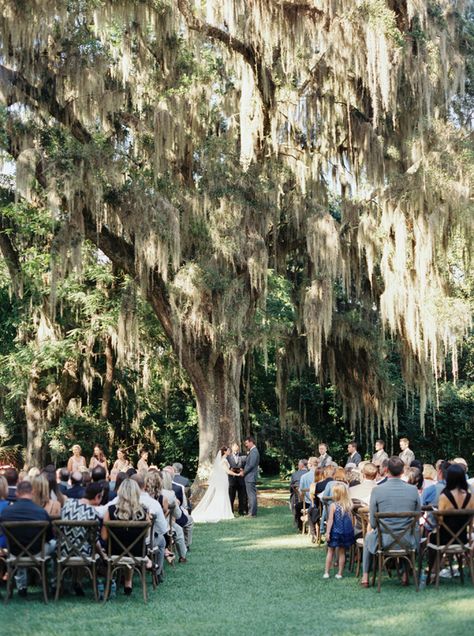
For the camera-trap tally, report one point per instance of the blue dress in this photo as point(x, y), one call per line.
point(342, 531)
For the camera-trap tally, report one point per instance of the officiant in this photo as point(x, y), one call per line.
point(237, 483)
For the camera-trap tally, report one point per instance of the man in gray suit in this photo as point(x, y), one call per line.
point(394, 495)
point(250, 474)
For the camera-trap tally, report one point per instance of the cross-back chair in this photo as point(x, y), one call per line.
point(400, 544)
point(24, 554)
point(126, 556)
point(70, 552)
point(460, 544)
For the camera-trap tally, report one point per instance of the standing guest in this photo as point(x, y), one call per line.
point(407, 455)
point(236, 482)
point(301, 470)
point(127, 508)
point(25, 509)
point(76, 462)
point(142, 466)
point(354, 456)
point(393, 496)
point(42, 497)
point(76, 491)
point(431, 494)
point(380, 454)
point(99, 459)
point(11, 475)
point(250, 475)
point(340, 531)
point(3, 504)
point(121, 464)
point(324, 459)
point(363, 491)
point(63, 480)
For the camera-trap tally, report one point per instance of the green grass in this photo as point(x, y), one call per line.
point(247, 577)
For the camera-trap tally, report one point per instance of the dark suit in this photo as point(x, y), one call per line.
point(250, 477)
point(355, 458)
point(75, 492)
point(237, 483)
point(184, 481)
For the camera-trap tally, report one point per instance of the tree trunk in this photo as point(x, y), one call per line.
point(218, 407)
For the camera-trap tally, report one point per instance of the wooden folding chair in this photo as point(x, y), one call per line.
point(455, 547)
point(304, 510)
point(70, 550)
point(361, 520)
point(152, 552)
point(400, 542)
point(25, 557)
point(126, 558)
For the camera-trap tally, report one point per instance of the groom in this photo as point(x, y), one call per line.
point(250, 474)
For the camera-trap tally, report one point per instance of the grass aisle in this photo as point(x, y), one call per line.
point(247, 577)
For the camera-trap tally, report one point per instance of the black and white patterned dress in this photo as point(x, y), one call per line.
point(74, 510)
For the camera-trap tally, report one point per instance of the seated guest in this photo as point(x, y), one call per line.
point(461, 462)
point(128, 508)
point(414, 477)
point(11, 475)
point(363, 491)
point(328, 476)
point(176, 512)
point(304, 483)
point(393, 496)
point(3, 504)
point(82, 509)
point(354, 457)
point(76, 491)
point(76, 462)
point(339, 475)
point(25, 509)
point(429, 476)
point(42, 497)
point(324, 459)
point(178, 477)
point(160, 525)
point(294, 485)
point(380, 454)
point(382, 472)
point(353, 475)
point(416, 463)
point(63, 480)
point(431, 495)
point(455, 496)
point(99, 476)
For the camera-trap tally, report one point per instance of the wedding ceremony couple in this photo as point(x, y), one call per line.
point(231, 474)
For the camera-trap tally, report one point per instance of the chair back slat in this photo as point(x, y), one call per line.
point(72, 546)
point(399, 539)
point(127, 548)
point(466, 527)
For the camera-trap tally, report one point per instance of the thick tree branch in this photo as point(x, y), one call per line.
point(14, 87)
point(11, 257)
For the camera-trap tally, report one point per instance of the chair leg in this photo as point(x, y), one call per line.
point(461, 570)
point(58, 582)
point(143, 572)
point(10, 574)
point(94, 581)
point(415, 572)
point(108, 582)
point(438, 568)
point(379, 582)
point(44, 581)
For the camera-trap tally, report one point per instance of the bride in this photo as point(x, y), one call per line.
point(215, 505)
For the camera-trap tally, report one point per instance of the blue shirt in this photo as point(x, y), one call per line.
point(305, 482)
point(430, 496)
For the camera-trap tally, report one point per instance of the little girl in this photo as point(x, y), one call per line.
point(339, 532)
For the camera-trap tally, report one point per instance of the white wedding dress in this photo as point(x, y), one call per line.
point(215, 505)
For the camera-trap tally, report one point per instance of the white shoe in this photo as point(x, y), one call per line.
point(325, 575)
point(338, 576)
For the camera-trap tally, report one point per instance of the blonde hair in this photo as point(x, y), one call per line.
point(3, 487)
point(129, 506)
point(76, 446)
point(167, 480)
point(153, 484)
point(340, 474)
point(40, 487)
point(429, 472)
point(33, 472)
point(340, 495)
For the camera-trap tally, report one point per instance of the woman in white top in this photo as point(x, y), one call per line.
point(215, 505)
point(76, 462)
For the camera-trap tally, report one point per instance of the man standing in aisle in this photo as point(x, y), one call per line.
point(250, 474)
